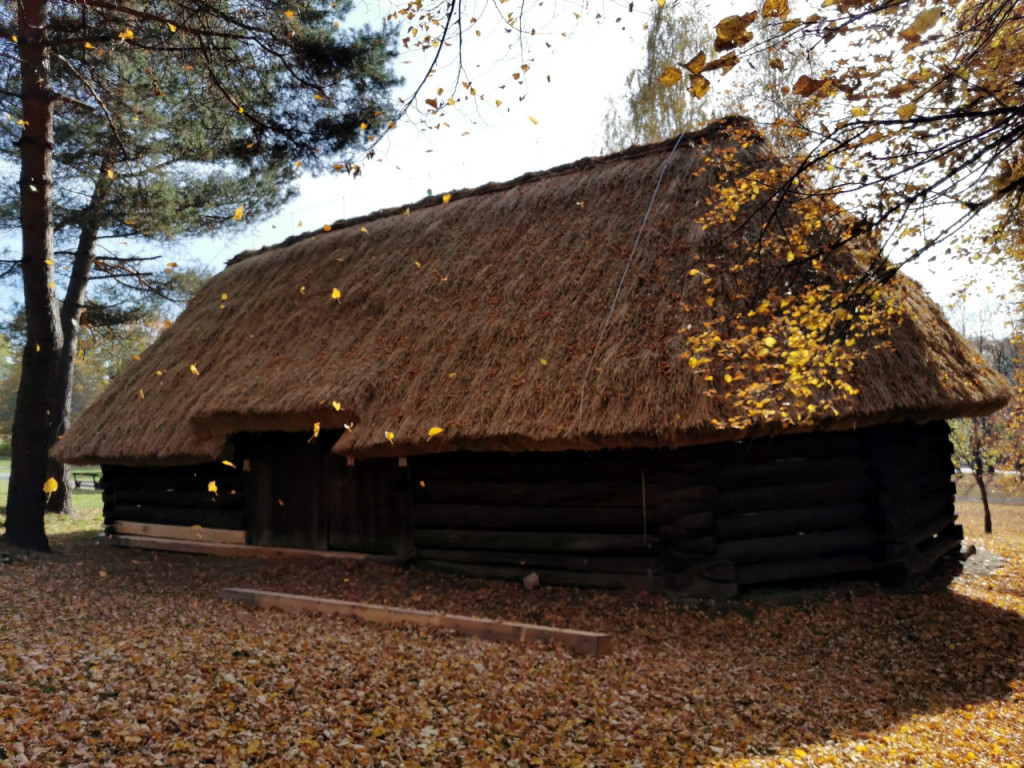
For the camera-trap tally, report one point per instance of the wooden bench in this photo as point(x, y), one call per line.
point(87, 479)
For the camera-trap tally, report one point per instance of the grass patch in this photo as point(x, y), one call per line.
point(87, 519)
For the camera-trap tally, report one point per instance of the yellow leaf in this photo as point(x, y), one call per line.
point(172, 264)
point(318, 97)
point(241, 110)
point(137, 357)
point(336, 405)
point(335, 293)
point(172, 27)
point(195, 371)
point(789, 26)
point(390, 436)
point(327, 227)
point(90, 47)
point(859, 112)
point(710, 301)
point(924, 21)
point(142, 395)
point(290, 14)
point(211, 486)
point(316, 429)
point(445, 199)
point(670, 76)
point(533, 119)
point(775, 9)
point(699, 86)
point(434, 432)
point(543, 361)
point(696, 64)
point(223, 297)
point(50, 485)
point(363, 230)
point(126, 35)
point(110, 173)
point(769, 342)
point(497, 103)
point(732, 31)
point(239, 212)
point(227, 463)
point(906, 111)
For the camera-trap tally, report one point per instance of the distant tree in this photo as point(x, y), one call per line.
point(9, 373)
point(913, 110)
point(667, 95)
point(175, 118)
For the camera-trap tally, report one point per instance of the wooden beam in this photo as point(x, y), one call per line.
point(588, 643)
point(243, 550)
point(532, 541)
point(190, 533)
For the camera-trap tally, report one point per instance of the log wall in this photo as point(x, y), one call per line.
point(175, 496)
point(708, 521)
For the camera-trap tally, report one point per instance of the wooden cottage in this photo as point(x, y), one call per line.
point(637, 370)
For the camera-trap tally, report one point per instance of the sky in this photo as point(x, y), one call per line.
point(553, 114)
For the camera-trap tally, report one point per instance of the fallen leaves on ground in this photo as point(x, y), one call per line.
point(120, 657)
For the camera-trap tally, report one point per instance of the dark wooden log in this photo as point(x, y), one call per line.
point(715, 570)
point(699, 588)
point(195, 478)
point(789, 471)
point(914, 501)
point(568, 466)
point(930, 463)
point(581, 519)
point(766, 573)
point(548, 576)
point(904, 518)
point(915, 535)
point(623, 493)
point(846, 541)
point(931, 551)
point(685, 545)
point(174, 498)
point(818, 444)
point(743, 500)
point(530, 541)
point(232, 519)
point(685, 525)
point(679, 495)
point(776, 522)
point(536, 560)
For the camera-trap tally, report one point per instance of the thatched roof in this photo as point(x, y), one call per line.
point(481, 315)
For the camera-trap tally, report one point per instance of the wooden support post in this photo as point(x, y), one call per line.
point(587, 643)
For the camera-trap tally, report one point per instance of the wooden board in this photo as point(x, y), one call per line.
point(242, 550)
point(229, 519)
point(588, 643)
point(579, 519)
point(190, 533)
point(530, 541)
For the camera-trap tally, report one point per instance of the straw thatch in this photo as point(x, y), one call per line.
point(481, 315)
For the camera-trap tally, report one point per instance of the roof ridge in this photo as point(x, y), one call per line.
point(713, 129)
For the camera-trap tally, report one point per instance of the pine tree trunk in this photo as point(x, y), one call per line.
point(60, 501)
point(30, 436)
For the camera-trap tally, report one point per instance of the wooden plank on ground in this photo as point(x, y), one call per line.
point(588, 643)
point(243, 550)
point(186, 532)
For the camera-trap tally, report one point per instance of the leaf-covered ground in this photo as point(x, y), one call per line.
point(117, 657)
